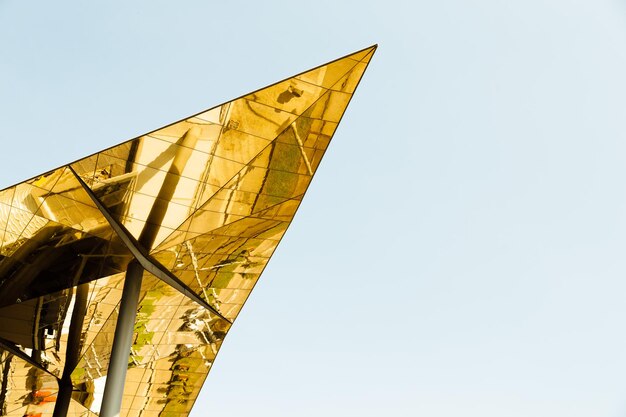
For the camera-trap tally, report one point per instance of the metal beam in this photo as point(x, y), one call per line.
point(124, 330)
point(122, 342)
point(9, 347)
point(72, 351)
point(143, 257)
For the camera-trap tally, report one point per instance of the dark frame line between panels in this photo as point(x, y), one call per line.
point(141, 254)
point(6, 345)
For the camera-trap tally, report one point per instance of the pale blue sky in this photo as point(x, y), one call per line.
point(462, 249)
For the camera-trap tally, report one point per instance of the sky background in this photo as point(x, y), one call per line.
point(462, 248)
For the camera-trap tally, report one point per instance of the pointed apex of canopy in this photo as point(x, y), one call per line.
point(329, 75)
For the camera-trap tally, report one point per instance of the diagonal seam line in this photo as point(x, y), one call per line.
point(5, 344)
point(222, 187)
point(151, 265)
point(91, 344)
point(216, 232)
point(86, 233)
point(251, 215)
point(370, 54)
point(147, 262)
point(371, 49)
point(8, 218)
point(38, 206)
point(271, 143)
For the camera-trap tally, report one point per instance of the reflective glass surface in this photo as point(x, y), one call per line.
point(208, 198)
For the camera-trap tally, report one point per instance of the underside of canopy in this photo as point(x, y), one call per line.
point(201, 204)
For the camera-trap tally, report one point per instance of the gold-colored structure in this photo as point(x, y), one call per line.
point(189, 214)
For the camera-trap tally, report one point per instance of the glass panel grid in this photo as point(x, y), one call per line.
point(227, 183)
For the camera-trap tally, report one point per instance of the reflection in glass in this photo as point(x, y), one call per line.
point(216, 192)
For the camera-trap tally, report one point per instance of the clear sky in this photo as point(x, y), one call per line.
point(462, 248)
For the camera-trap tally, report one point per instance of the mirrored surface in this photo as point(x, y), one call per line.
point(209, 198)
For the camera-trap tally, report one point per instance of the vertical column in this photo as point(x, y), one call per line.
point(122, 341)
point(72, 352)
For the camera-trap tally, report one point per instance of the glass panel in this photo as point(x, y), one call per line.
point(26, 200)
point(256, 187)
point(25, 389)
point(76, 409)
point(330, 107)
point(217, 192)
point(349, 82)
point(364, 55)
point(57, 258)
point(231, 257)
point(104, 297)
point(169, 386)
point(168, 326)
point(293, 96)
point(328, 75)
point(40, 327)
point(36, 328)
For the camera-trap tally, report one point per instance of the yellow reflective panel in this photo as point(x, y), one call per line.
point(20, 218)
point(76, 409)
point(196, 225)
point(38, 328)
point(106, 164)
point(216, 191)
point(206, 133)
point(154, 182)
point(300, 148)
point(6, 197)
point(330, 107)
point(167, 324)
point(365, 54)
point(58, 258)
point(104, 297)
point(232, 204)
point(94, 362)
point(223, 173)
point(67, 203)
point(150, 178)
point(327, 75)
point(283, 211)
point(280, 172)
point(24, 389)
point(258, 119)
point(231, 257)
point(349, 82)
point(14, 221)
point(214, 116)
point(169, 386)
point(47, 181)
point(65, 242)
point(293, 96)
point(167, 320)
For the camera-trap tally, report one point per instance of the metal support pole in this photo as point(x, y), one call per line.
point(72, 352)
point(123, 340)
point(124, 331)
